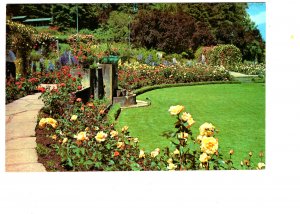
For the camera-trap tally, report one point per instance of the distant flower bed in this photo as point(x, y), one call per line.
point(24, 86)
point(136, 75)
point(250, 68)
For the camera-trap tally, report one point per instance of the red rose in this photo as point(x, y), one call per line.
point(79, 87)
point(116, 153)
point(74, 79)
point(41, 89)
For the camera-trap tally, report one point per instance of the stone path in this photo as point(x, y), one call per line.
point(20, 141)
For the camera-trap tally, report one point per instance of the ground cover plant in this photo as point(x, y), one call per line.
point(236, 110)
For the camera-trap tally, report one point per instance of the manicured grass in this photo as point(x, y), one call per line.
point(236, 110)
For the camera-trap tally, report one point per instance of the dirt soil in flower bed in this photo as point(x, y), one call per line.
point(49, 158)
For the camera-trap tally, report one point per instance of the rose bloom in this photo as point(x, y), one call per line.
point(209, 145)
point(207, 129)
point(176, 152)
point(113, 133)
point(135, 140)
point(124, 129)
point(204, 158)
point(172, 167)
point(174, 110)
point(200, 138)
point(54, 137)
point(52, 122)
point(169, 161)
point(43, 123)
point(81, 136)
point(101, 136)
point(142, 154)
point(74, 117)
point(78, 99)
point(65, 140)
point(190, 121)
point(116, 153)
point(260, 165)
point(120, 145)
point(186, 116)
point(155, 152)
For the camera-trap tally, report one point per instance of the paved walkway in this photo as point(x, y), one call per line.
point(20, 141)
point(236, 74)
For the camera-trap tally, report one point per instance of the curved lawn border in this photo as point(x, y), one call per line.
point(153, 87)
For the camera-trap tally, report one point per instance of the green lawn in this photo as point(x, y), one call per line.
point(236, 110)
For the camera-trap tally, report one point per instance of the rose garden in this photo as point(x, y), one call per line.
point(137, 101)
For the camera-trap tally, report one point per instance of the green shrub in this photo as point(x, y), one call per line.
point(113, 113)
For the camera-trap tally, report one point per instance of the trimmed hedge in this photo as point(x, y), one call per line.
point(150, 88)
point(113, 113)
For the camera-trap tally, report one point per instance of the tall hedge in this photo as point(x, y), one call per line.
point(225, 55)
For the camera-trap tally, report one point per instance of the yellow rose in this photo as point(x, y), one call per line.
point(261, 165)
point(207, 129)
point(113, 133)
point(190, 121)
point(65, 140)
point(120, 145)
point(142, 154)
point(155, 152)
point(176, 152)
point(54, 137)
point(43, 123)
point(172, 167)
point(185, 116)
point(209, 145)
point(199, 138)
point(101, 136)
point(81, 136)
point(52, 122)
point(204, 158)
point(125, 128)
point(174, 110)
point(73, 118)
point(169, 161)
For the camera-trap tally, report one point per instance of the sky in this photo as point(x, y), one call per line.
point(257, 12)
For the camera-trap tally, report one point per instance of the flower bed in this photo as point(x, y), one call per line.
point(250, 69)
point(32, 84)
point(79, 138)
point(134, 76)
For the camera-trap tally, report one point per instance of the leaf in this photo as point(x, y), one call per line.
point(69, 162)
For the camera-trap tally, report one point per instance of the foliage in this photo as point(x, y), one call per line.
point(160, 30)
point(19, 36)
point(224, 55)
point(56, 99)
point(114, 113)
point(21, 87)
